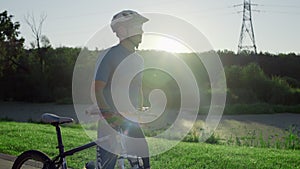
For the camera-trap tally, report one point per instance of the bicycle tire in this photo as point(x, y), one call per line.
point(33, 159)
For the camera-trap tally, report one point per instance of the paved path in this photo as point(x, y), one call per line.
point(24, 112)
point(6, 161)
point(19, 111)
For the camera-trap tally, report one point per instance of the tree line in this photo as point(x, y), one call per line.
point(44, 73)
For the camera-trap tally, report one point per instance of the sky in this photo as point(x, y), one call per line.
point(72, 23)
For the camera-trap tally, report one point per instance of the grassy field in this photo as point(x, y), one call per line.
point(18, 137)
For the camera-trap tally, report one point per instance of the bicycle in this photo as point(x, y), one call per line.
point(42, 160)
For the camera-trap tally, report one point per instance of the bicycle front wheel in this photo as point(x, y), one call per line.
point(32, 159)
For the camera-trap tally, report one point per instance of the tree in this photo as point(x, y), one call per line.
point(45, 42)
point(39, 38)
point(11, 46)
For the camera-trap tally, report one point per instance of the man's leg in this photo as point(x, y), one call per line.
point(140, 149)
point(105, 159)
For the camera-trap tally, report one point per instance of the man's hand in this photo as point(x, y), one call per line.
point(113, 119)
point(92, 110)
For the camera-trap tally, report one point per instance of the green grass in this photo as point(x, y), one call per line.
point(18, 137)
point(196, 155)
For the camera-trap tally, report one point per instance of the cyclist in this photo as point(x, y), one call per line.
point(127, 25)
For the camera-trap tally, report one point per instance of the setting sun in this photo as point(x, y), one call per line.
point(163, 43)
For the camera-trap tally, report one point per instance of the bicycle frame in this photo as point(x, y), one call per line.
point(62, 154)
point(61, 158)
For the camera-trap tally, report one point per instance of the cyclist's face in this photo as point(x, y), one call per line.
point(136, 40)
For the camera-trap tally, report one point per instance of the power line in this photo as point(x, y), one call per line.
point(279, 6)
point(281, 12)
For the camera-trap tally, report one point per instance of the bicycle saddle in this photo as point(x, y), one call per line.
point(54, 119)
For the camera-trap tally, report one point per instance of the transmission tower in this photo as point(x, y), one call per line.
point(247, 40)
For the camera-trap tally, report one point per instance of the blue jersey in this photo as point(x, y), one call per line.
point(106, 70)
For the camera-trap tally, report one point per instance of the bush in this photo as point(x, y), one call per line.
point(249, 84)
point(260, 108)
point(281, 91)
point(241, 96)
point(213, 139)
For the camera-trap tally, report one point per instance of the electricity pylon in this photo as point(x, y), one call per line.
point(247, 40)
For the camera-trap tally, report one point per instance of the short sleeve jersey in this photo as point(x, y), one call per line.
point(106, 69)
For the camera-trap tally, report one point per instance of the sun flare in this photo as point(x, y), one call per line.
point(163, 43)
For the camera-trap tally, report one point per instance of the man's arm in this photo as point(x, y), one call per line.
point(111, 117)
point(99, 87)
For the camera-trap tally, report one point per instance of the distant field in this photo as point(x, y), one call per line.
point(17, 137)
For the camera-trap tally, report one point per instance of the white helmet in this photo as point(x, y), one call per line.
point(127, 23)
